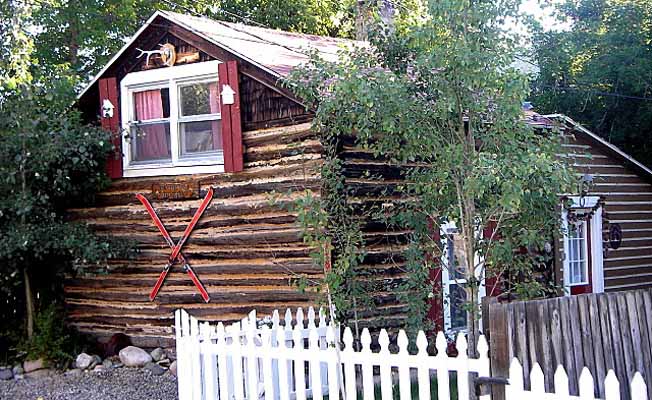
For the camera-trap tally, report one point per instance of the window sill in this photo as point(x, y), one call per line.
point(134, 171)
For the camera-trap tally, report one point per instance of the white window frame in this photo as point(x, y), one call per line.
point(595, 226)
point(171, 78)
point(446, 230)
point(585, 251)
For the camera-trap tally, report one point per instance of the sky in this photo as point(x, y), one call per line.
point(543, 13)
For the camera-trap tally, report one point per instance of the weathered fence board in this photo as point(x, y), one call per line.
point(599, 332)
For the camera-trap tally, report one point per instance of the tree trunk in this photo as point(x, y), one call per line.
point(29, 303)
point(362, 18)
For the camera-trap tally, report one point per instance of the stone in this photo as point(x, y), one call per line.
point(39, 373)
point(18, 370)
point(99, 368)
point(74, 372)
point(154, 368)
point(158, 354)
point(96, 361)
point(6, 374)
point(164, 363)
point(34, 365)
point(173, 368)
point(132, 356)
point(107, 363)
point(84, 361)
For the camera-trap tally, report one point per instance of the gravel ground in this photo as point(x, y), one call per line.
point(118, 384)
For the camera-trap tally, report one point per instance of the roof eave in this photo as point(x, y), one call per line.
point(642, 168)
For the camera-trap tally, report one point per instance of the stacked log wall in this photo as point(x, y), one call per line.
point(246, 249)
point(371, 186)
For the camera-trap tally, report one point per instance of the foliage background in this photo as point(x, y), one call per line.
point(599, 72)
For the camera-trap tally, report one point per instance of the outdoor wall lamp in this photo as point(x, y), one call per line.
point(585, 183)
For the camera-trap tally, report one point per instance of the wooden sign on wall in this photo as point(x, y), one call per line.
point(175, 190)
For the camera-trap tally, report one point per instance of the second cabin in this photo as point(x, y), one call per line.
point(195, 103)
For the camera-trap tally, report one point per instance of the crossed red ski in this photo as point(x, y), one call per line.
point(176, 248)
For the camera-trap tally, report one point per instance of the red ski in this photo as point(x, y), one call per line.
point(176, 254)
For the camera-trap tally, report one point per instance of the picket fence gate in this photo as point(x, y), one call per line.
point(291, 360)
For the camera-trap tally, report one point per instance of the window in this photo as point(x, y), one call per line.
point(199, 119)
point(454, 276)
point(577, 253)
point(150, 130)
point(172, 116)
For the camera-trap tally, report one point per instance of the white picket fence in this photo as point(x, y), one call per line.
point(515, 390)
point(292, 360)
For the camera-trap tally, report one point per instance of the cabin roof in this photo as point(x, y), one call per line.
point(277, 52)
point(550, 120)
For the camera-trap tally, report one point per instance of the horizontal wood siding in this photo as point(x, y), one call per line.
point(246, 249)
point(628, 202)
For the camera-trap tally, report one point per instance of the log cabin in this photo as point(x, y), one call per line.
point(195, 103)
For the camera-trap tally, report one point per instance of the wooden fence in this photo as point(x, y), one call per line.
point(601, 332)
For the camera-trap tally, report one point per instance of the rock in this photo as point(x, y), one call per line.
point(34, 365)
point(6, 374)
point(173, 368)
point(118, 365)
point(84, 361)
point(158, 354)
point(107, 363)
point(133, 356)
point(74, 372)
point(18, 370)
point(99, 368)
point(164, 363)
point(96, 361)
point(39, 373)
point(154, 368)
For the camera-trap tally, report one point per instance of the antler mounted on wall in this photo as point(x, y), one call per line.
point(166, 54)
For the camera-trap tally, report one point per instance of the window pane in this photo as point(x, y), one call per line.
point(200, 137)
point(199, 99)
point(152, 104)
point(150, 142)
point(577, 262)
point(457, 300)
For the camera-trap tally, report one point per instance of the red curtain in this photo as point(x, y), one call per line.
point(153, 141)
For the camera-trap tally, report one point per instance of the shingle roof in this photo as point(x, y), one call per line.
point(275, 51)
point(278, 51)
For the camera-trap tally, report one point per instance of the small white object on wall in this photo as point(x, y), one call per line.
point(227, 95)
point(107, 109)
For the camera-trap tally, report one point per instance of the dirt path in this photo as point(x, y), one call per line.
point(115, 384)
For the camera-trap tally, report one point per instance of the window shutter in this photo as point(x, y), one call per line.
point(231, 122)
point(109, 91)
point(436, 311)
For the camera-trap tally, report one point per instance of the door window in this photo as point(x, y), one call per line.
point(577, 253)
